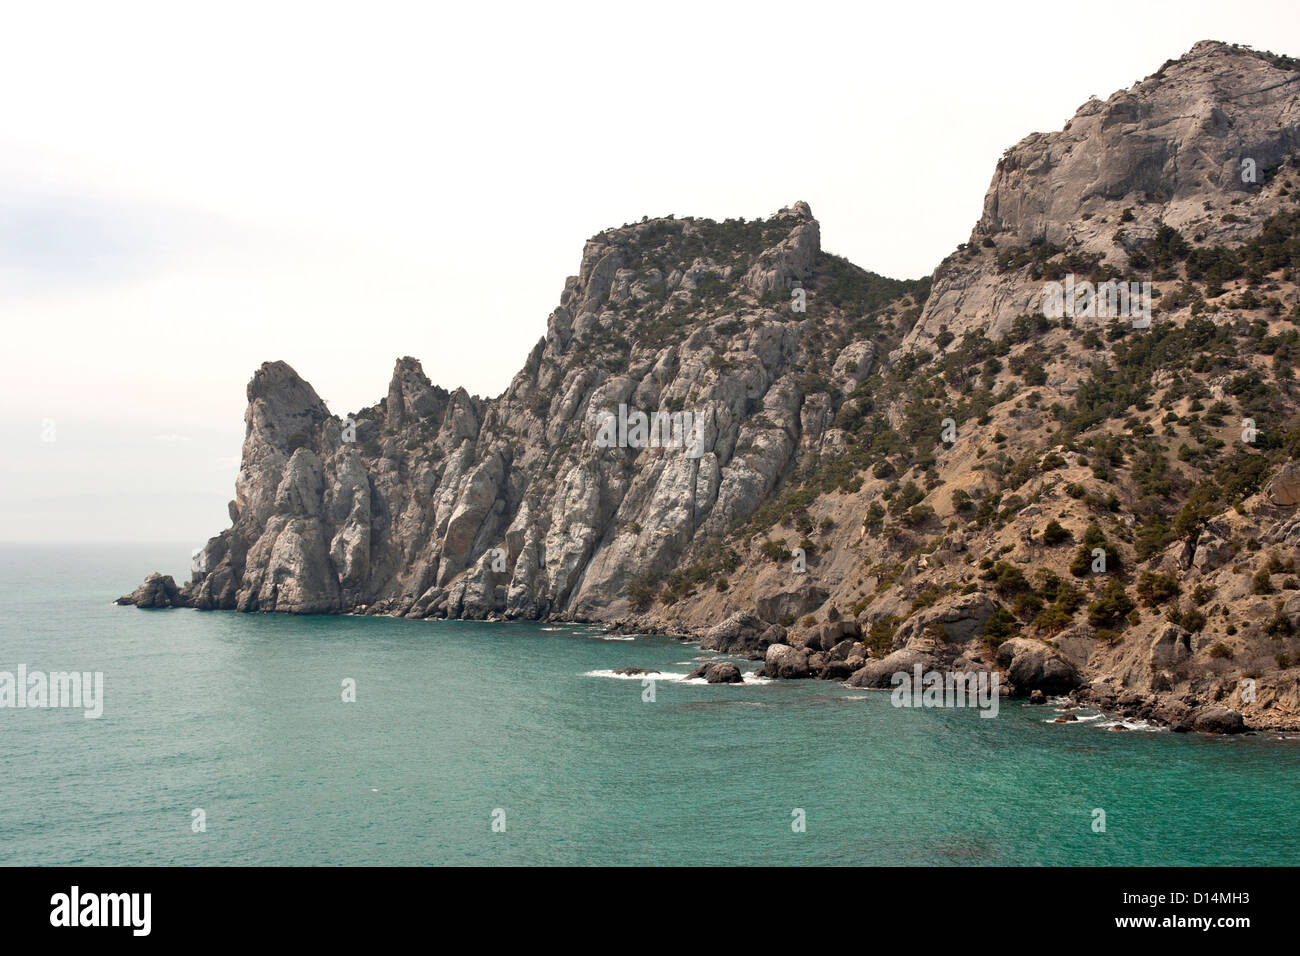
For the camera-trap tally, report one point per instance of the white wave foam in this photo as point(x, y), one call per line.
point(751, 679)
point(610, 673)
point(1132, 725)
point(1085, 719)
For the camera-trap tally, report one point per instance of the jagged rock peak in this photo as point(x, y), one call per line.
point(275, 378)
point(1175, 134)
point(278, 396)
point(800, 210)
point(411, 396)
point(1192, 146)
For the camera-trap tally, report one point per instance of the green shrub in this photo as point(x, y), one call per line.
point(1008, 580)
point(1001, 626)
point(1279, 625)
point(1157, 588)
point(1055, 533)
point(880, 636)
point(1261, 584)
point(1112, 607)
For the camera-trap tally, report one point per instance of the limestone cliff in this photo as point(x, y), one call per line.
point(446, 504)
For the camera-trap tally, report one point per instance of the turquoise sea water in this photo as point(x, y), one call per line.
point(242, 716)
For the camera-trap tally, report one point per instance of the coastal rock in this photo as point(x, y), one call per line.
point(880, 673)
point(837, 670)
point(827, 636)
point(1032, 665)
point(843, 650)
point(1175, 715)
point(741, 633)
point(954, 620)
point(158, 590)
point(1217, 719)
point(718, 672)
point(792, 603)
point(786, 662)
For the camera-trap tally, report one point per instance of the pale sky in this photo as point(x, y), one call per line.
point(188, 190)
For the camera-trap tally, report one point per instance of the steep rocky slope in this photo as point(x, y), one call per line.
point(445, 504)
point(921, 472)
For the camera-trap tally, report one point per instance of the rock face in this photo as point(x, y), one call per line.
point(880, 673)
point(1171, 647)
point(957, 621)
point(1284, 489)
point(742, 632)
point(1158, 149)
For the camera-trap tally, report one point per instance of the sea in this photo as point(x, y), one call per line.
point(267, 739)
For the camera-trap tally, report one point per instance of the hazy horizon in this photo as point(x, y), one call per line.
point(183, 199)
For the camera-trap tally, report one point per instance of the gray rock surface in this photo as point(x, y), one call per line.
point(1216, 719)
point(1033, 665)
point(157, 591)
point(1157, 149)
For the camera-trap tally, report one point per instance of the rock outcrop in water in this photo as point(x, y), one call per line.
point(865, 474)
point(157, 591)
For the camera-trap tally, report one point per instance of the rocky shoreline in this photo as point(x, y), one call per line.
point(1027, 668)
point(835, 652)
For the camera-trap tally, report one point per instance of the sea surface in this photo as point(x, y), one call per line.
point(505, 744)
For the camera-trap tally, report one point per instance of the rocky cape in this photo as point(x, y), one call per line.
point(899, 472)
